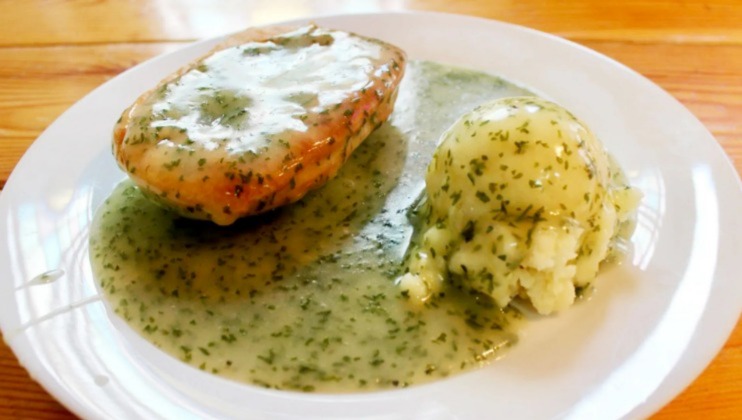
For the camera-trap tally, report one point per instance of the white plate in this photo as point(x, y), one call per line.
point(649, 330)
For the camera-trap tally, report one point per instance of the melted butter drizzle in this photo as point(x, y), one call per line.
point(303, 297)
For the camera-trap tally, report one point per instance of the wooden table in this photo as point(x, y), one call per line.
point(54, 52)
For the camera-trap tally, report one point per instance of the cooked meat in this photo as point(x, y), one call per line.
point(264, 118)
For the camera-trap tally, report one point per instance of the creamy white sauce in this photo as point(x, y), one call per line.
point(269, 98)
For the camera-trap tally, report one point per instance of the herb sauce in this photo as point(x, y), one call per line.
point(304, 297)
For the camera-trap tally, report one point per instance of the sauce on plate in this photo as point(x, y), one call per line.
point(304, 297)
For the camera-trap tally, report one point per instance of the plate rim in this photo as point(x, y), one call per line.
point(36, 372)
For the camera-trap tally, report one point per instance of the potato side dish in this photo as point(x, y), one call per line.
point(522, 201)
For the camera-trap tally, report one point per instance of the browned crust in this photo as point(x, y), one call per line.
point(313, 158)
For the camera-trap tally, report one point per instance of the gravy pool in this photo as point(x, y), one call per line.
point(303, 298)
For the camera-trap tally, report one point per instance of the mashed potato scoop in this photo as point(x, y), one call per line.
point(522, 200)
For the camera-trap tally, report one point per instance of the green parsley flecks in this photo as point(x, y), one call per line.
point(303, 298)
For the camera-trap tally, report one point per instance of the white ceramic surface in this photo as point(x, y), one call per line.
point(649, 330)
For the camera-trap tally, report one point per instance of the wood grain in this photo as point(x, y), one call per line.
point(37, 84)
point(54, 52)
point(107, 21)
